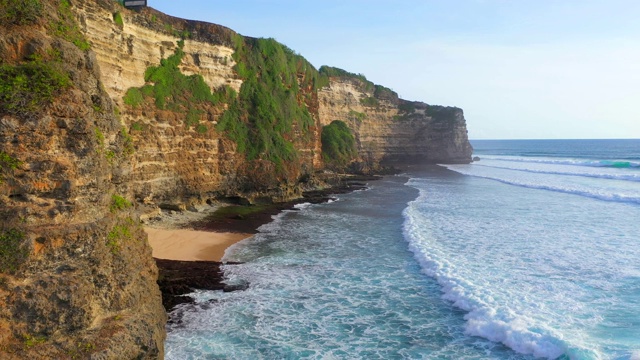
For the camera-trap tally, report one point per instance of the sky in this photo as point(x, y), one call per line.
point(520, 69)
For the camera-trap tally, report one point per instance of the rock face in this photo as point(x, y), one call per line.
point(79, 281)
point(175, 163)
point(125, 52)
point(390, 130)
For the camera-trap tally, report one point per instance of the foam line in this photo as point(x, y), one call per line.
point(632, 177)
point(632, 164)
point(483, 319)
point(600, 196)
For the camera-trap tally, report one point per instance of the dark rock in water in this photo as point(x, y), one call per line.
point(242, 285)
point(476, 158)
point(177, 278)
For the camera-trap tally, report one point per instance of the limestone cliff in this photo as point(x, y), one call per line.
point(173, 161)
point(177, 163)
point(390, 130)
point(76, 275)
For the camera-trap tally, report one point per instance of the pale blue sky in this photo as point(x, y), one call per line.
point(519, 68)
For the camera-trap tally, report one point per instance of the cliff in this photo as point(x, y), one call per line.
point(179, 159)
point(106, 112)
point(176, 163)
point(389, 130)
point(76, 275)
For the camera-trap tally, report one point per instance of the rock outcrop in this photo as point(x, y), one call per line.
point(174, 162)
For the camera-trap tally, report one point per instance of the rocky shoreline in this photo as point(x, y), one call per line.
point(178, 278)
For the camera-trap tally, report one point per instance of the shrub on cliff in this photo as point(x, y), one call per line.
point(117, 19)
point(25, 88)
point(7, 164)
point(13, 250)
point(442, 114)
point(173, 90)
point(272, 102)
point(369, 102)
point(338, 144)
point(20, 12)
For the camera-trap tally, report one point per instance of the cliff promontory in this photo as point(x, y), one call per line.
point(107, 113)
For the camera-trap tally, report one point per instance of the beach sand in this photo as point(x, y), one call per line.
point(191, 245)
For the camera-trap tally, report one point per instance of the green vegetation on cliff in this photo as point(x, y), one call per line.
point(13, 251)
point(273, 101)
point(23, 12)
point(379, 92)
point(442, 114)
point(7, 164)
point(26, 87)
point(119, 203)
point(338, 144)
point(329, 71)
point(408, 110)
point(369, 102)
point(67, 28)
point(173, 90)
point(117, 19)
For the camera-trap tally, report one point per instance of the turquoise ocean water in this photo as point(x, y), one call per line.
point(531, 252)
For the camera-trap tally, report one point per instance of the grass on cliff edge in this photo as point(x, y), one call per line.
point(379, 91)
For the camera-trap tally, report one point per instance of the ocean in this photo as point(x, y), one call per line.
point(531, 252)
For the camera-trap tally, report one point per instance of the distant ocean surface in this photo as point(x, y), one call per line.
point(531, 252)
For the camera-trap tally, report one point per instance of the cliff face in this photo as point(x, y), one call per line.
point(390, 130)
point(76, 275)
point(175, 163)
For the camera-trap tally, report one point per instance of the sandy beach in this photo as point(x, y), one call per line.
point(191, 245)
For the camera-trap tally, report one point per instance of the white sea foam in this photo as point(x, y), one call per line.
point(609, 191)
point(302, 205)
point(483, 319)
point(613, 174)
point(544, 275)
point(529, 271)
point(622, 163)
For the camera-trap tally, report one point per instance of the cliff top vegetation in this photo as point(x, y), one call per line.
point(379, 92)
